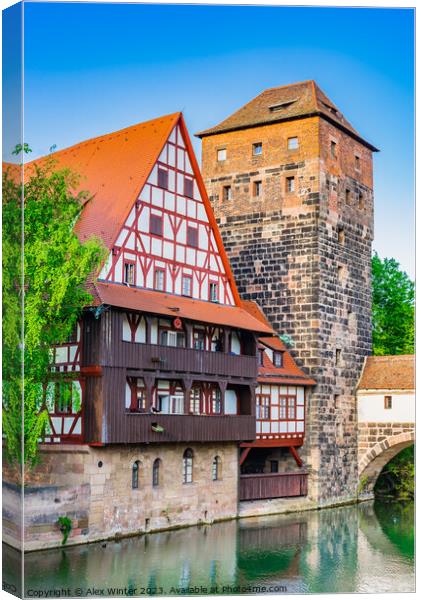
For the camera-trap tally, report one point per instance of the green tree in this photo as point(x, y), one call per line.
point(44, 292)
point(393, 308)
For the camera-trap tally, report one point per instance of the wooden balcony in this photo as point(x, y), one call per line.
point(273, 485)
point(183, 360)
point(132, 428)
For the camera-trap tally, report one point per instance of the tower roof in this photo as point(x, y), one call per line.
point(286, 103)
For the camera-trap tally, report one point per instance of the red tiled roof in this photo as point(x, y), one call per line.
point(288, 102)
point(388, 373)
point(113, 168)
point(268, 373)
point(176, 306)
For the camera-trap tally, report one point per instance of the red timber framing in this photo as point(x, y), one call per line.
point(186, 244)
point(64, 395)
point(280, 413)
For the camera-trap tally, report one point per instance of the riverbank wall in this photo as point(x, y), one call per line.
point(94, 488)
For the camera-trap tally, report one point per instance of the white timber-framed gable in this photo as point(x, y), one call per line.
point(167, 242)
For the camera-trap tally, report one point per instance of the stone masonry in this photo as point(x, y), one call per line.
point(93, 486)
point(305, 257)
point(378, 443)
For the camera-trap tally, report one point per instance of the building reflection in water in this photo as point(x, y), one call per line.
point(332, 550)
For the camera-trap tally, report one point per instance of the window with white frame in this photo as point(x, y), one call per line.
point(159, 280)
point(186, 288)
point(176, 339)
point(221, 154)
point(292, 143)
point(213, 291)
point(129, 273)
point(188, 466)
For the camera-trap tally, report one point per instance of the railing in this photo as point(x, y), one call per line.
point(187, 360)
point(145, 428)
point(273, 485)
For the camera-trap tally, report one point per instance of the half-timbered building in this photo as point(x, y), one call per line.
point(166, 353)
point(271, 466)
point(154, 391)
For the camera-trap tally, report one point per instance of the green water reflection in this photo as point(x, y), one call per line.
point(365, 548)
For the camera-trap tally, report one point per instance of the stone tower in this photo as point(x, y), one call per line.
point(290, 181)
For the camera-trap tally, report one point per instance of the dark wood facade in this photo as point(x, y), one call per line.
point(108, 361)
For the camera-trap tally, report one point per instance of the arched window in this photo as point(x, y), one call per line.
point(155, 472)
point(216, 468)
point(188, 466)
point(135, 475)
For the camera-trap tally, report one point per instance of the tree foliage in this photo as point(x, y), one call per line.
point(397, 478)
point(44, 291)
point(393, 308)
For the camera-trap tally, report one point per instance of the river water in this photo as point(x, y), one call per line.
point(362, 548)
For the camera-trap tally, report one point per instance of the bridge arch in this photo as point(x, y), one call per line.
point(372, 462)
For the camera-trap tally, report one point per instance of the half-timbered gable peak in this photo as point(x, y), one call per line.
point(169, 242)
point(149, 206)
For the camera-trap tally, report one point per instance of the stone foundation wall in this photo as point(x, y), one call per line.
point(93, 486)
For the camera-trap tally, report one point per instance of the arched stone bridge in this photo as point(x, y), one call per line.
point(378, 444)
point(386, 415)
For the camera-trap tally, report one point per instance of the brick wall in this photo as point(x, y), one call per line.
point(305, 257)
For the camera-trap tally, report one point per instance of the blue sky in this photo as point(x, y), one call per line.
point(92, 68)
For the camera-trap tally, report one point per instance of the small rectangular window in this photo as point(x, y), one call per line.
point(192, 236)
point(199, 339)
point(213, 292)
point(188, 187)
point(336, 401)
point(348, 196)
point(274, 466)
point(341, 273)
point(338, 357)
point(257, 189)
point(159, 280)
point(227, 192)
point(222, 154)
point(257, 149)
point(292, 143)
point(277, 359)
point(360, 200)
point(291, 408)
point(186, 285)
point(162, 178)
point(260, 357)
point(290, 184)
point(155, 225)
point(341, 236)
point(129, 273)
point(388, 402)
point(333, 149)
point(357, 163)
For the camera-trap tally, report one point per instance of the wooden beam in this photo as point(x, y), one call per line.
point(296, 456)
point(274, 443)
point(244, 455)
